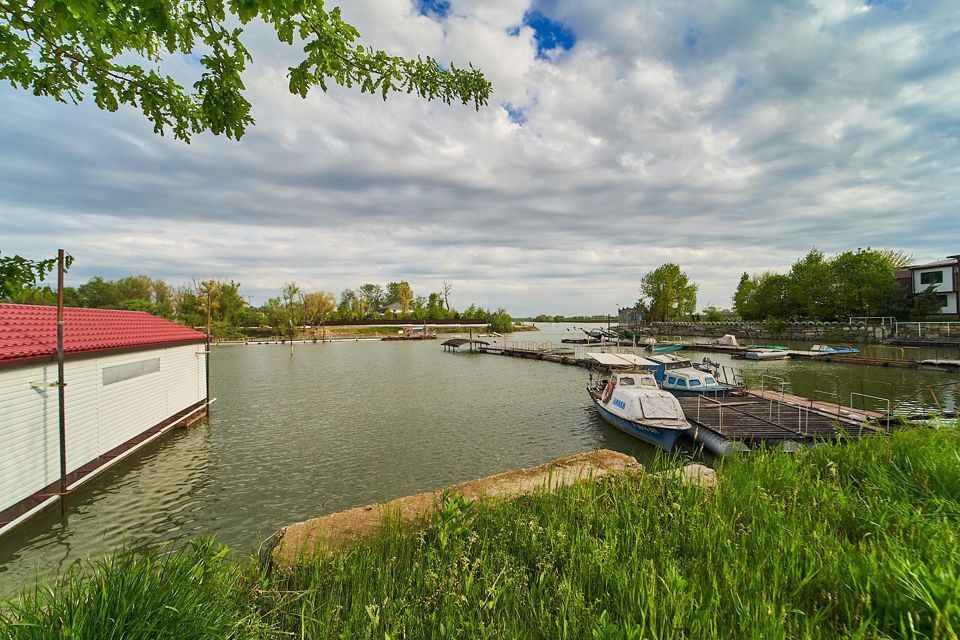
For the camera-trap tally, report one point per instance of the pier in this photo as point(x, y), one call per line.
point(724, 425)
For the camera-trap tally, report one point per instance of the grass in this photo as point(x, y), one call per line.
point(853, 541)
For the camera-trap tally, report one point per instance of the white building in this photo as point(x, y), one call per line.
point(129, 377)
point(944, 276)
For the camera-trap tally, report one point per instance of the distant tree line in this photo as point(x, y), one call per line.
point(817, 287)
point(548, 318)
point(21, 281)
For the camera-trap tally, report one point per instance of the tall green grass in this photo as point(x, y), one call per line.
point(853, 541)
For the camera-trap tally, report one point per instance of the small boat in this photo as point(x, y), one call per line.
point(766, 354)
point(632, 402)
point(665, 348)
point(828, 350)
point(680, 377)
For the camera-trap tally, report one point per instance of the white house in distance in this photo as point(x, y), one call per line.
point(129, 377)
point(944, 275)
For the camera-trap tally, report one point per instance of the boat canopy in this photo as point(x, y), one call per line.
point(660, 407)
point(620, 359)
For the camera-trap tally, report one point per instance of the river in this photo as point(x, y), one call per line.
point(349, 423)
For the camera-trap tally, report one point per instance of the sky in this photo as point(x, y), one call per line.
point(727, 136)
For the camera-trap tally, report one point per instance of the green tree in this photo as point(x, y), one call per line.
point(187, 308)
point(20, 277)
point(742, 297)
point(318, 307)
point(293, 307)
point(927, 303)
point(435, 306)
point(400, 292)
point(865, 281)
point(346, 307)
point(374, 295)
point(134, 288)
point(99, 293)
point(712, 314)
point(501, 322)
point(275, 315)
point(419, 308)
point(811, 287)
point(114, 51)
point(668, 293)
point(771, 297)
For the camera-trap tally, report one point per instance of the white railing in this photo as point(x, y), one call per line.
point(927, 330)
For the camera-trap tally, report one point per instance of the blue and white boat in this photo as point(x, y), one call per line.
point(632, 402)
point(827, 350)
point(678, 376)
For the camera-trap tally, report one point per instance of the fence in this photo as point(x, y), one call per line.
point(927, 330)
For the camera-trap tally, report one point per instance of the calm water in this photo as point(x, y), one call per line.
point(344, 424)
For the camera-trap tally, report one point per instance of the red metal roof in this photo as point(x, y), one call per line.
point(30, 331)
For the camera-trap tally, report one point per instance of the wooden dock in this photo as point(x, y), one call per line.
point(741, 422)
point(738, 423)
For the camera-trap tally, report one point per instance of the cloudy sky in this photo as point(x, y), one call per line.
point(726, 136)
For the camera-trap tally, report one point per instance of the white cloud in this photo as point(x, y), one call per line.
point(726, 140)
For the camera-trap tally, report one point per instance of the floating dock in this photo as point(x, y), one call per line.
point(742, 422)
point(737, 423)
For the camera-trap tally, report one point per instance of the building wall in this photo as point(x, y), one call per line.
point(946, 285)
point(99, 416)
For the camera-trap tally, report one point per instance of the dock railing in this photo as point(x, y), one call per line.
point(864, 396)
point(703, 398)
point(783, 393)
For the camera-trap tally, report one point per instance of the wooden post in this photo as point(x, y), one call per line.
point(61, 386)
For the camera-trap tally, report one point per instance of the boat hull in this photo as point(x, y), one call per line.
point(668, 348)
point(664, 438)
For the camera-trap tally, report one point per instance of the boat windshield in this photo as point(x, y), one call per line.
point(626, 382)
point(711, 380)
point(648, 382)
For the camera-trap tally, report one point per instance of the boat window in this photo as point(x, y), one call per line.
point(681, 382)
point(626, 382)
point(672, 380)
point(711, 380)
point(694, 382)
point(648, 382)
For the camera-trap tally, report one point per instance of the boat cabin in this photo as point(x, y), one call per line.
point(689, 379)
point(635, 379)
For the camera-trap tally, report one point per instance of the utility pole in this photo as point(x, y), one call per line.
point(61, 386)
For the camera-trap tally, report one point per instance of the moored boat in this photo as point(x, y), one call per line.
point(766, 354)
point(632, 402)
point(837, 350)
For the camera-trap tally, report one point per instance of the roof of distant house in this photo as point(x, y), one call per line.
point(952, 260)
point(30, 331)
point(394, 306)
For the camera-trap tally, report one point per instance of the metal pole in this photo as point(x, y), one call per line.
point(206, 359)
point(61, 399)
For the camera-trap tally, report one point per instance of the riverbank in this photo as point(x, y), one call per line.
point(362, 331)
point(858, 540)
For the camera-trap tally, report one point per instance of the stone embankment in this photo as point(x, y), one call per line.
point(347, 528)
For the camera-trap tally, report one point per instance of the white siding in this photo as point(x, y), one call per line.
point(943, 287)
point(99, 417)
